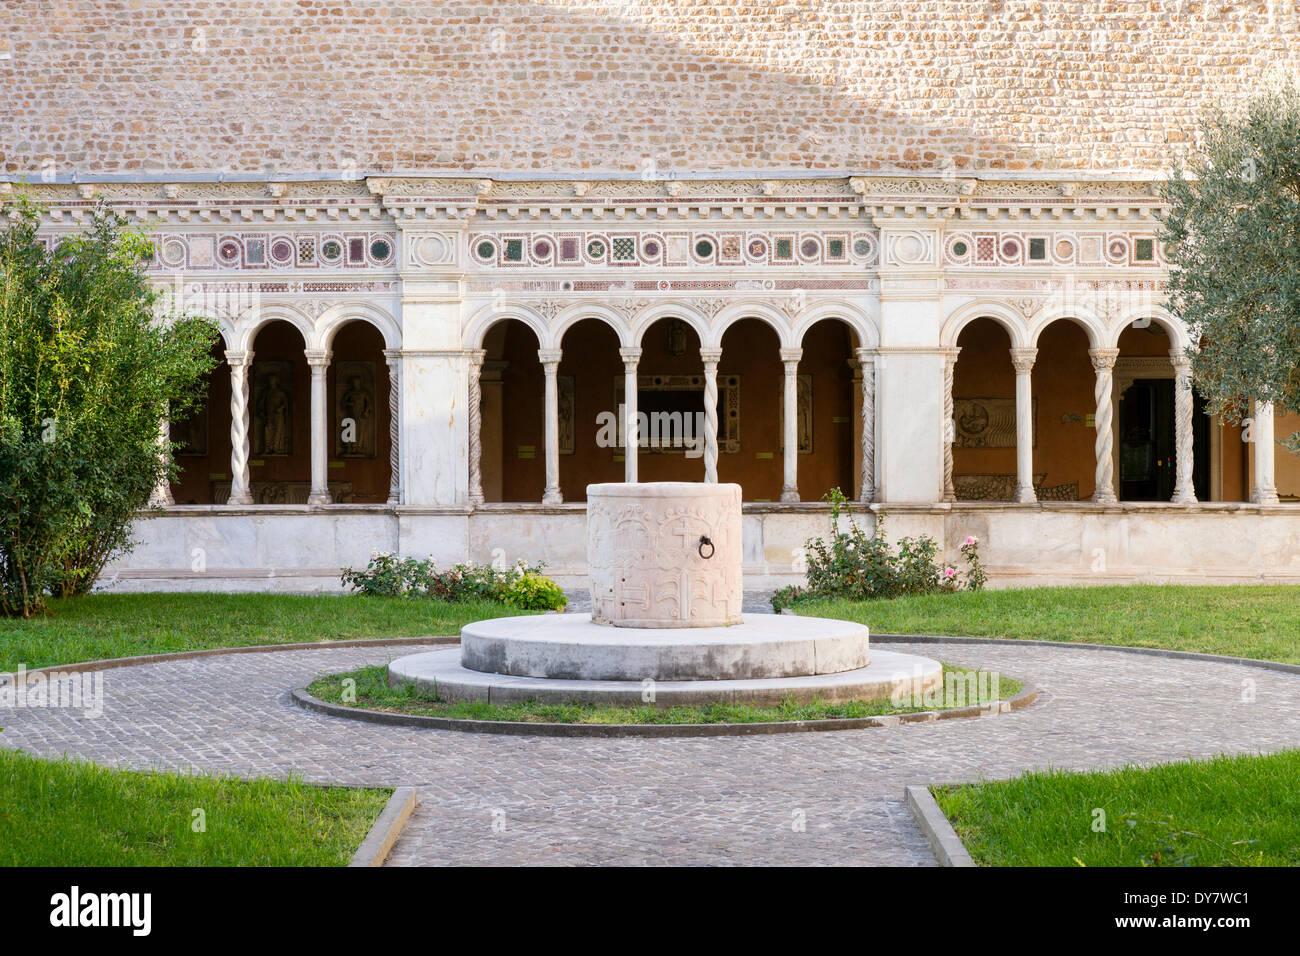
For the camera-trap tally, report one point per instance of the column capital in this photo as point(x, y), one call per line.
point(237, 357)
point(630, 355)
point(318, 358)
point(710, 355)
point(1023, 360)
point(1179, 359)
point(1103, 360)
point(866, 356)
point(791, 355)
point(550, 356)
point(392, 356)
point(950, 355)
point(476, 356)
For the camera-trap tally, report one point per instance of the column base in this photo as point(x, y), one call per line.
point(1104, 498)
point(552, 498)
point(789, 496)
point(319, 498)
point(1185, 496)
point(244, 499)
point(1026, 496)
point(1264, 496)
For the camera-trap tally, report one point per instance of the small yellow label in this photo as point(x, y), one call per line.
point(762, 454)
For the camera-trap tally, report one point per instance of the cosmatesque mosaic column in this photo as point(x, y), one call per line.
point(1184, 490)
point(475, 425)
point(1023, 360)
point(319, 361)
point(240, 490)
point(550, 359)
point(949, 426)
point(710, 358)
point(1103, 362)
point(790, 424)
point(394, 359)
point(631, 438)
point(867, 363)
point(162, 492)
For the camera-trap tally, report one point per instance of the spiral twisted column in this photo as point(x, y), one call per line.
point(949, 426)
point(867, 364)
point(162, 492)
point(711, 357)
point(394, 359)
point(475, 423)
point(1103, 363)
point(240, 488)
point(1184, 490)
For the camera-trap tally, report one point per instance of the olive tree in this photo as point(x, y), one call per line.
point(88, 373)
point(1232, 234)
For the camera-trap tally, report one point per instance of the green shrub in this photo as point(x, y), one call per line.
point(87, 374)
point(535, 592)
point(861, 566)
point(522, 585)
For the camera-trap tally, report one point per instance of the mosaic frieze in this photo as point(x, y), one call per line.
point(273, 250)
point(1053, 248)
point(672, 248)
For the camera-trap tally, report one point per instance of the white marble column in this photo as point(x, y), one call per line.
point(319, 361)
point(550, 359)
point(1184, 490)
point(867, 363)
point(240, 487)
point(790, 422)
point(162, 492)
point(1264, 489)
point(394, 359)
point(475, 424)
point(1023, 360)
point(1103, 363)
point(949, 426)
point(711, 357)
point(631, 438)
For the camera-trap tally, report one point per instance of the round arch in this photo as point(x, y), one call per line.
point(999, 312)
point(859, 320)
point(477, 328)
point(583, 311)
point(1174, 328)
point(335, 317)
point(1091, 324)
point(254, 320)
point(776, 318)
point(657, 311)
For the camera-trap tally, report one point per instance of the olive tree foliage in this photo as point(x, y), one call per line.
point(88, 372)
point(1232, 234)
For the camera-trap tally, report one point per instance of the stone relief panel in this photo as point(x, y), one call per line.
point(987, 422)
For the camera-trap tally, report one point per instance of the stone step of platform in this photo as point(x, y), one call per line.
point(888, 674)
point(572, 647)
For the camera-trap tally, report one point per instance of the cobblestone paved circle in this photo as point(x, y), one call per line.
point(670, 801)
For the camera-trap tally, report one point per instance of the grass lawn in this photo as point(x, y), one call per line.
point(121, 625)
point(373, 693)
point(1242, 621)
point(70, 813)
point(1229, 811)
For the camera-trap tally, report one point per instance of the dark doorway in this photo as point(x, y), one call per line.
point(1147, 468)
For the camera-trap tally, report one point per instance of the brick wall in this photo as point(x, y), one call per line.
point(638, 85)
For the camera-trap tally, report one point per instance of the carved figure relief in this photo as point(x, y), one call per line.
point(988, 422)
point(355, 410)
point(272, 409)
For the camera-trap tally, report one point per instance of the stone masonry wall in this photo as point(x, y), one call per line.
point(649, 86)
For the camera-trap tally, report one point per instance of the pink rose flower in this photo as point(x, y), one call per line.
point(950, 572)
point(972, 540)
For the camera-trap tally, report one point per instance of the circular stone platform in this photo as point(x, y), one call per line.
point(572, 647)
point(440, 672)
